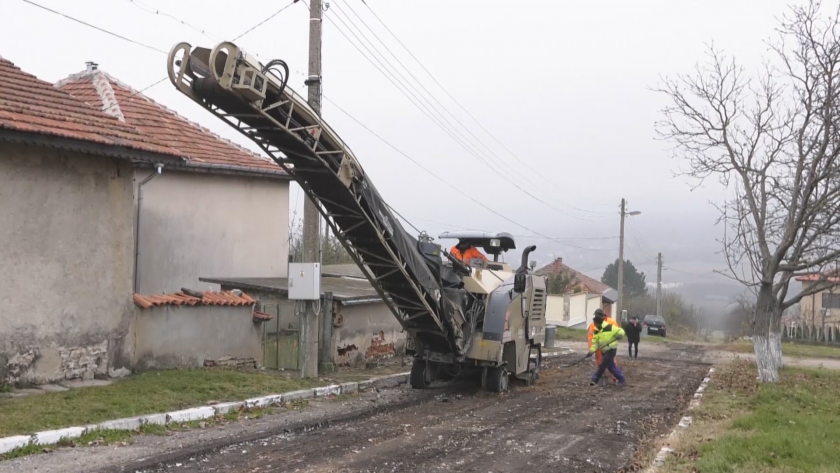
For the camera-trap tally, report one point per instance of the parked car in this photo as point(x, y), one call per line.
point(654, 324)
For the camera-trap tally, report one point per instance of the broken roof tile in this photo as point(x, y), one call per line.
point(222, 298)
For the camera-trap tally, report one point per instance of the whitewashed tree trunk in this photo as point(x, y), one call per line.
point(767, 336)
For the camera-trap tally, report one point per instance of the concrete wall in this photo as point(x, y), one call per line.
point(66, 250)
point(183, 337)
point(368, 332)
point(201, 225)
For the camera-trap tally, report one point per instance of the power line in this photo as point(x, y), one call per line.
point(420, 83)
point(453, 187)
point(202, 31)
point(492, 136)
point(425, 109)
point(138, 43)
point(264, 21)
point(156, 11)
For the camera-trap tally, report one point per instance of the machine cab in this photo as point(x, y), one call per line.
point(493, 244)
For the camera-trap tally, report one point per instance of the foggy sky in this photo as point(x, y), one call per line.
point(564, 85)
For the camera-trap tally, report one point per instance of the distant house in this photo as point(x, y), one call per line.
point(811, 307)
point(72, 157)
point(574, 306)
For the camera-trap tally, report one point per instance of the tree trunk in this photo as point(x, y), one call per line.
point(767, 336)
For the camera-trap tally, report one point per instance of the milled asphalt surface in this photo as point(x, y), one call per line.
point(561, 424)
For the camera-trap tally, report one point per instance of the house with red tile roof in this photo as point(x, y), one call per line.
point(105, 194)
point(574, 306)
point(825, 302)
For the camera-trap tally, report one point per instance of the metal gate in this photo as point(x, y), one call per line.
point(280, 346)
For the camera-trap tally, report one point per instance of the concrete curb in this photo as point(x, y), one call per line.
point(684, 424)
point(48, 437)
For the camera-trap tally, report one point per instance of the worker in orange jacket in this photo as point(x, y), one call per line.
point(593, 329)
point(466, 252)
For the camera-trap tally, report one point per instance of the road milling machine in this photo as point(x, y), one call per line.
point(460, 318)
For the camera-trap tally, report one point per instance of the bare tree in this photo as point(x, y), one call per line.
point(774, 142)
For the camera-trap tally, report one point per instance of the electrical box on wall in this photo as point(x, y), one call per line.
point(304, 281)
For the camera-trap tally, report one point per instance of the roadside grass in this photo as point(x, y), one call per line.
point(99, 437)
point(745, 427)
point(580, 335)
point(789, 349)
point(124, 437)
point(144, 393)
point(565, 333)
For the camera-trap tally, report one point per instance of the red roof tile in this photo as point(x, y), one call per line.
point(225, 298)
point(829, 276)
point(201, 145)
point(587, 284)
point(28, 104)
point(261, 317)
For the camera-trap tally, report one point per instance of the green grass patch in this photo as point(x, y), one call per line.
point(153, 429)
point(744, 427)
point(800, 350)
point(145, 393)
point(98, 437)
point(580, 335)
point(566, 333)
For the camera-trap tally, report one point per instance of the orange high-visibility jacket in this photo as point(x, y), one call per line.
point(591, 331)
point(471, 253)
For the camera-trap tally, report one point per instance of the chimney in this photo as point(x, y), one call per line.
point(91, 66)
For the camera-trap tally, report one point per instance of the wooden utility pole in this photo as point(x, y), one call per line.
point(620, 305)
point(659, 285)
point(624, 213)
point(311, 216)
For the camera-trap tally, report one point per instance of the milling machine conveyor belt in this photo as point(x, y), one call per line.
point(254, 99)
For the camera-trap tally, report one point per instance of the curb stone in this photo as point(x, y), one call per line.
point(187, 415)
point(47, 437)
point(684, 424)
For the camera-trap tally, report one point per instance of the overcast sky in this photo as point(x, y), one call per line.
point(563, 85)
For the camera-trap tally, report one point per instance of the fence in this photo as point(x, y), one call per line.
point(829, 334)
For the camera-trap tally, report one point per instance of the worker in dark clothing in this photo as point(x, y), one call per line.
point(606, 340)
point(633, 329)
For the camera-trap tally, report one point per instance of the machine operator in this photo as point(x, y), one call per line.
point(466, 252)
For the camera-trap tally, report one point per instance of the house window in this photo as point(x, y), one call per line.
point(830, 301)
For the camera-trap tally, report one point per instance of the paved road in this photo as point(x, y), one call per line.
point(561, 424)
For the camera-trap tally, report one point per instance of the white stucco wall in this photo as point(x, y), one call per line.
point(554, 310)
point(66, 252)
point(202, 225)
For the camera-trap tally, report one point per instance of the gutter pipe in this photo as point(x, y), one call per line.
point(158, 171)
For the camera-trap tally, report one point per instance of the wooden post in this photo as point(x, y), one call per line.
point(326, 349)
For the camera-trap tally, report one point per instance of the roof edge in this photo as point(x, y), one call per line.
point(81, 146)
point(231, 170)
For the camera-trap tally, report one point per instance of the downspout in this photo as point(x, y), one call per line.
point(158, 171)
